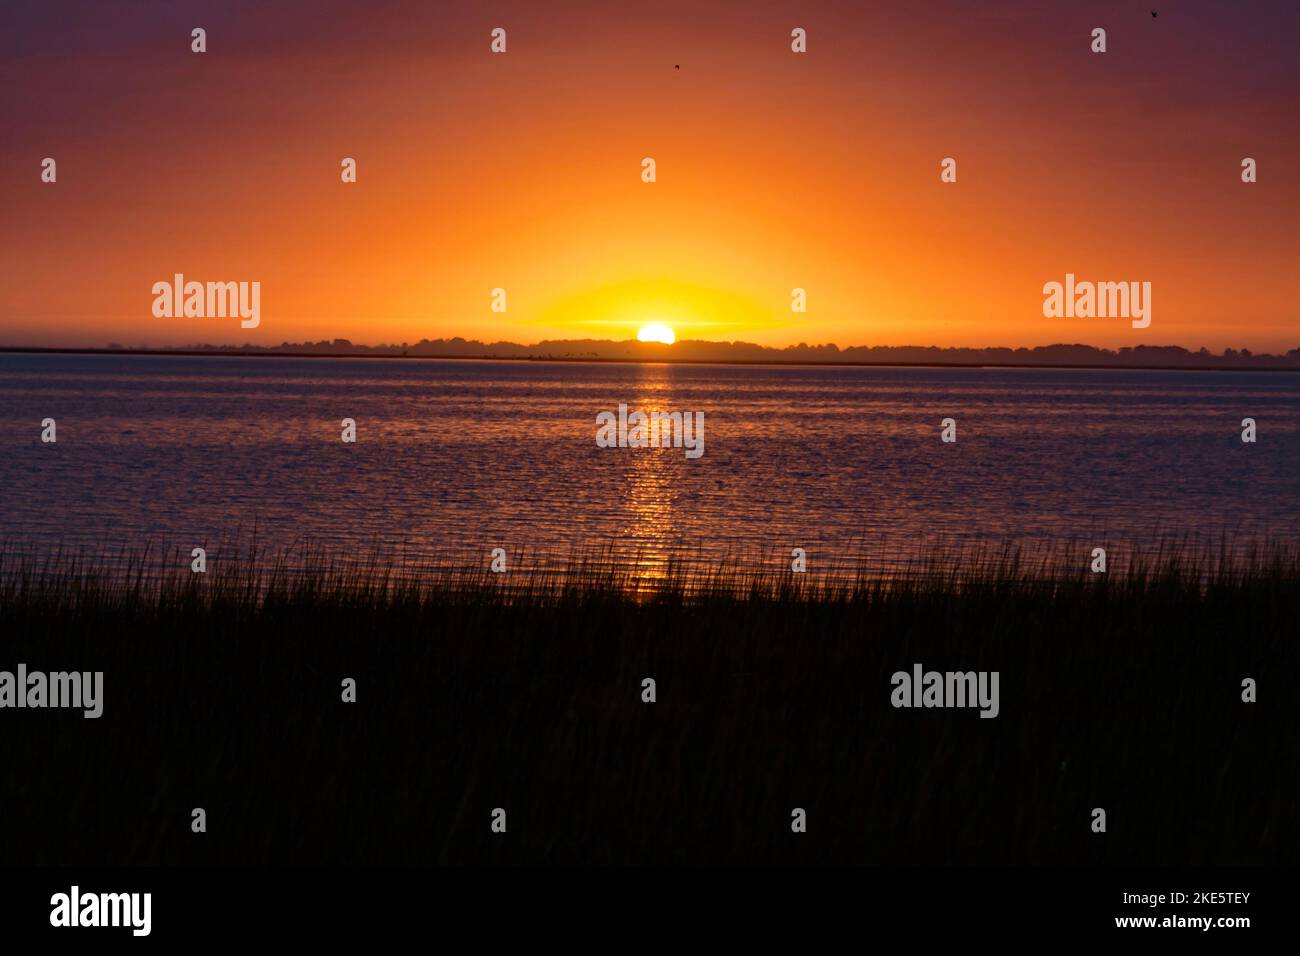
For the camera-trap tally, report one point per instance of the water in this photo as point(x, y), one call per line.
point(455, 458)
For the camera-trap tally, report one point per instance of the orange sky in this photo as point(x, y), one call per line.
point(775, 171)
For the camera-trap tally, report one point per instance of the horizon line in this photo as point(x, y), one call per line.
point(1126, 358)
point(651, 346)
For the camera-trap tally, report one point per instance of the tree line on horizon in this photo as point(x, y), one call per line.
point(700, 350)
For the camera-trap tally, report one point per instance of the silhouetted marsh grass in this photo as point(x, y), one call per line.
point(478, 690)
point(245, 577)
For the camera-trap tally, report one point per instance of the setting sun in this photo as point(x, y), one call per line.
point(656, 332)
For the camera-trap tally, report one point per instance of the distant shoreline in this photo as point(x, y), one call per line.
point(591, 360)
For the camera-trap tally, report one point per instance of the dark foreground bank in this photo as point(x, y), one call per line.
point(480, 693)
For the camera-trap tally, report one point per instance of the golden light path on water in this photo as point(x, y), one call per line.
point(648, 501)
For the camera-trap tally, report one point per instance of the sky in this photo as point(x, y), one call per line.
point(774, 170)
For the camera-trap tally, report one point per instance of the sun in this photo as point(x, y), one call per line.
point(656, 332)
